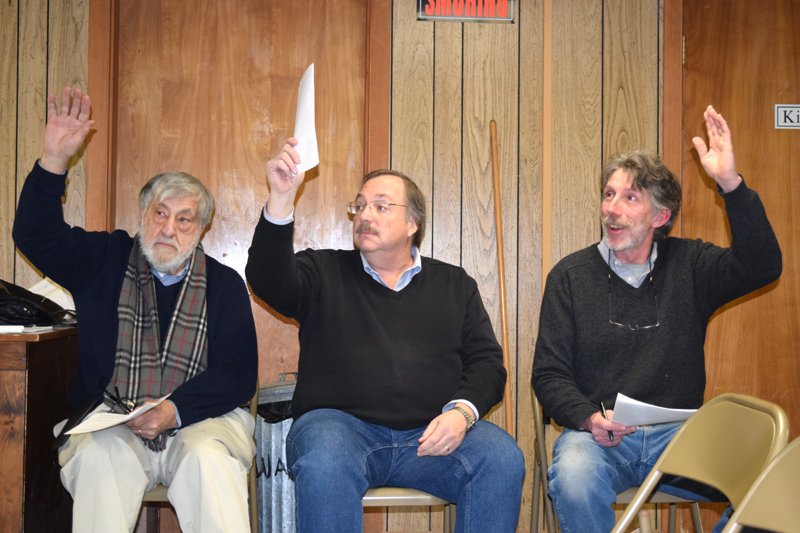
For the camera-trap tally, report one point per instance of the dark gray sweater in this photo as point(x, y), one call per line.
point(581, 359)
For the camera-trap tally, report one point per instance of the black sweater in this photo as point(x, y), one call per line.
point(91, 265)
point(389, 358)
point(581, 359)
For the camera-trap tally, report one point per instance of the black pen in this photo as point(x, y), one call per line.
point(605, 415)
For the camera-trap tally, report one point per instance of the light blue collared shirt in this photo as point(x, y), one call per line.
point(168, 279)
point(405, 277)
point(633, 274)
point(402, 283)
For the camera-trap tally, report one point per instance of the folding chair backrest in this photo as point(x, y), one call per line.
point(771, 503)
point(727, 443)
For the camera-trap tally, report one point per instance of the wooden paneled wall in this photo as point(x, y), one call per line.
point(43, 47)
point(449, 80)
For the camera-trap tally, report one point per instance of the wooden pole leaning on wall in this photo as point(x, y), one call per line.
point(501, 273)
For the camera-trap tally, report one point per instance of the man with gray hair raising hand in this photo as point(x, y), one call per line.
point(156, 317)
point(630, 315)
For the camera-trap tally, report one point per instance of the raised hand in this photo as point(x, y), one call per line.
point(717, 159)
point(66, 129)
point(283, 180)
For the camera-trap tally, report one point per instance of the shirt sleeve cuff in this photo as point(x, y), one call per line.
point(177, 415)
point(468, 403)
point(279, 222)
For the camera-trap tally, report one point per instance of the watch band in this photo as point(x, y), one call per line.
point(469, 416)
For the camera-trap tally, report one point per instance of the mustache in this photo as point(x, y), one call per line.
point(366, 227)
point(614, 221)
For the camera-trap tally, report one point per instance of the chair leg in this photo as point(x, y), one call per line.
point(644, 521)
point(537, 479)
point(698, 524)
point(153, 519)
point(673, 509)
point(450, 518)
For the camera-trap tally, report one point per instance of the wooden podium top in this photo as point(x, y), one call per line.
point(36, 337)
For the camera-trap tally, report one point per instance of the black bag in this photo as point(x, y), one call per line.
point(21, 307)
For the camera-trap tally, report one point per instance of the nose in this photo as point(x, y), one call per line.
point(367, 213)
point(169, 228)
point(613, 206)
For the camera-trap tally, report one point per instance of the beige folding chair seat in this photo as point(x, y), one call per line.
point(725, 444)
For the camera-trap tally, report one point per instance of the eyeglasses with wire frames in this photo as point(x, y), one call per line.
point(125, 404)
point(379, 207)
point(655, 295)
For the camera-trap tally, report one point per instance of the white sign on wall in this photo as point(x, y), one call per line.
point(787, 116)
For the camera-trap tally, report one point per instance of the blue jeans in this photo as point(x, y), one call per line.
point(585, 477)
point(335, 457)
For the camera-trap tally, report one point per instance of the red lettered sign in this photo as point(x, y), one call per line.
point(466, 10)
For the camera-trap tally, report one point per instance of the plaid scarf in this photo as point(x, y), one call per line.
point(143, 369)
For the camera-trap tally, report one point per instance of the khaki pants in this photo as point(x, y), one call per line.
point(205, 467)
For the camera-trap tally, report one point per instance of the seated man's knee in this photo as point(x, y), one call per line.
point(324, 446)
point(499, 453)
point(578, 469)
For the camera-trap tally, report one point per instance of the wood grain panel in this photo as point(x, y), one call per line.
point(31, 106)
point(378, 86)
point(445, 215)
point(529, 273)
point(139, 106)
point(102, 83)
point(12, 420)
point(671, 108)
point(413, 102)
point(744, 59)
point(577, 125)
point(68, 44)
point(630, 76)
point(412, 144)
point(8, 133)
point(491, 81)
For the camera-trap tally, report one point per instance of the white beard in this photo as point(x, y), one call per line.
point(165, 262)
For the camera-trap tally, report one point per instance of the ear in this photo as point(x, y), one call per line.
point(412, 226)
point(662, 218)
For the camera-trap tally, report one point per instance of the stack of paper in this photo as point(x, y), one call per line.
point(630, 412)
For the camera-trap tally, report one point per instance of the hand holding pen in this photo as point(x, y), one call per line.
point(605, 415)
point(602, 427)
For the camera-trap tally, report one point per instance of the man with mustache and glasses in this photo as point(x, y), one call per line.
point(630, 314)
point(398, 360)
point(156, 316)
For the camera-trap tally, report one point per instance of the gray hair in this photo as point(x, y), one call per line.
point(648, 173)
point(415, 200)
point(177, 185)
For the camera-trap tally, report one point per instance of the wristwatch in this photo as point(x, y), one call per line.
point(469, 416)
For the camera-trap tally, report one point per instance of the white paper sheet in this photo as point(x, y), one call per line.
point(632, 412)
point(99, 420)
point(304, 126)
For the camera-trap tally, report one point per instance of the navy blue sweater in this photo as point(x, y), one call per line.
point(91, 265)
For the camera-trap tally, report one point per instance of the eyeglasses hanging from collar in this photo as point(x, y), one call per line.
point(655, 296)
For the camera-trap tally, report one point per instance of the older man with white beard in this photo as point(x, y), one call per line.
point(630, 314)
point(156, 317)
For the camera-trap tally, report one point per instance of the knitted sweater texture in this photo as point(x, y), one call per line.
point(389, 358)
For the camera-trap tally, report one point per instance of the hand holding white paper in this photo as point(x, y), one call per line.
point(304, 127)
